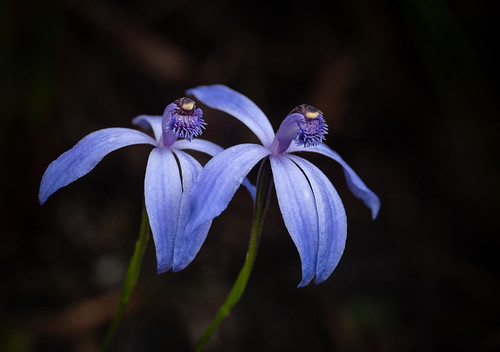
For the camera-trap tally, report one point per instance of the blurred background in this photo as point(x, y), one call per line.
point(409, 90)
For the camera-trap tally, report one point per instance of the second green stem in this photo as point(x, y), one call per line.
point(263, 192)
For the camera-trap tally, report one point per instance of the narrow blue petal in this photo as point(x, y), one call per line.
point(332, 220)
point(252, 189)
point(298, 208)
point(85, 155)
point(357, 187)
point(186, 246)
point(149, 121)
point(211, 149)
point(219, 180)
point(199, 145)
point(163, 194)
point(236, 104)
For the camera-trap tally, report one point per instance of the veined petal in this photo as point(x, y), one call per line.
point(236, 104)
point(332, 220)
point(219, 180)
point(199, 145)
point(85, 155)
point(357, 187)
point(298, 208)
point(163, 194)
point(187, 244)
point(211, 149)
point(149, 121)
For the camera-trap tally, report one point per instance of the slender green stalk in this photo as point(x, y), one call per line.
point(264, 186)
point(133, 270)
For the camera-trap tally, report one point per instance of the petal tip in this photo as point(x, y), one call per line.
point(41, 198)
point(375, 208)
point(43, 193)
point(178, 267)
point(162, 268)
point(321, 278)
point(305, 281)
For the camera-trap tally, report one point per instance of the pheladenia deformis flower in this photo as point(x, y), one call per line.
point(311, 207)
point(170, 172)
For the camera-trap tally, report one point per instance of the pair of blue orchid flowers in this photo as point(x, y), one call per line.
point(182, 197)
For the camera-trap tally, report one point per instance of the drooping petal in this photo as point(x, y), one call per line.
point(332, 220)
point(187, 245)
point(85, 155)
point(149, 121)
point(298, 208)
point(163, 193)
point(236, 104)
point(211, 149)
point(357, 187)
point(219, 180)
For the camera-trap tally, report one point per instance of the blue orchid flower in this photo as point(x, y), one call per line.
point(311, 207)
point(170, 172)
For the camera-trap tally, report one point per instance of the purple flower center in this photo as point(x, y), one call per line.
point(305, 125)
point(185, 119)
point(312, 128)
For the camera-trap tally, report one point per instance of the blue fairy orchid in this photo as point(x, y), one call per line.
point(311, 207)
point(170, 172)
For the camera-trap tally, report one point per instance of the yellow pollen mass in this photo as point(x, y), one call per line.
point(311, 114)
point(188, 106)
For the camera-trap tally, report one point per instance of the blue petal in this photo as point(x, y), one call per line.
point(186, 247)
point(298, 208)
point(252, 189)
point(199, 145)
point(357, 187)
point(219, 180)
point(149, 121)
point(236, 104)
point(85, 155)
point(163, 193)
point(211, 149)
point(332, 220)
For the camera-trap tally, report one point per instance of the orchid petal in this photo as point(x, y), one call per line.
point(298, 208)
point(149, 121)
point(357, 187)
point(219, 180)
point(252, 189)
point(236, 104)
point(187, 245)
point(85, 155)
point(199, 145)
point(332, 220)
point(211, 149)
point(163, 193)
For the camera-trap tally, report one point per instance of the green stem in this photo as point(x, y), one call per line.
point(264, 186)
point(133, 270)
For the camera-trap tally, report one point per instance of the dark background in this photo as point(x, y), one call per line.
point(409, 89)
